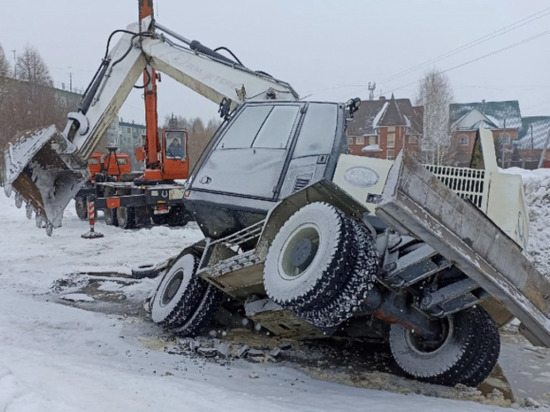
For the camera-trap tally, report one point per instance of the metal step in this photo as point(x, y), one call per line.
point(415, 202)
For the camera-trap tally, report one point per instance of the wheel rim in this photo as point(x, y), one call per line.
point(299, 251)
point(425, 347)
point(172, 288)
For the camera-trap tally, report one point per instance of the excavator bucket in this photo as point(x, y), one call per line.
point(41, 167)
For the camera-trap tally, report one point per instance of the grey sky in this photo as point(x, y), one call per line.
point(326, 49)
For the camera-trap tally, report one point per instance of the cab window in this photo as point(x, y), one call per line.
point(264, 126)
point(175, 145)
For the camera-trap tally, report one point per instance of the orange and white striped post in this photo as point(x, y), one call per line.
point(92, 234)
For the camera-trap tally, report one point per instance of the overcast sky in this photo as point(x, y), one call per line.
point(326, 49)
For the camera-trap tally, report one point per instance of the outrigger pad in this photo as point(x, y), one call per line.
point(42, 166)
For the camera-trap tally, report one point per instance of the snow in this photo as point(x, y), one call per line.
point(536, 185)
point(55, 356)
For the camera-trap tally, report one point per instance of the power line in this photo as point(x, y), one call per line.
point(473, 43)
point(534, 37)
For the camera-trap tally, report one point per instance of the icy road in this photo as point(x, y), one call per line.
point(55, 356)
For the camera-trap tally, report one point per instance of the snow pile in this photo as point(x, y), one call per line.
point(536, 184)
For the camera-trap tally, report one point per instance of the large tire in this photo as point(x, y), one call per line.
point(306, 263)
point(466, 353)
point(486, 355)
point(81, 208)
point(145, 271)
point(159, 219)
point(202, 315)
point(109, 215)
point(178, 217)
point(361, 264)
point(126, 217)
point(184, 302)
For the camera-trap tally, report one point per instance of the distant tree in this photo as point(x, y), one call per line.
point(30, 67)
point(4, 64)
point(435, 94)
point(29, 101)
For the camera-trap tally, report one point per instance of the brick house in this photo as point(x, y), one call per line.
point(502, 118)
point(381, 128)
point(533, 136)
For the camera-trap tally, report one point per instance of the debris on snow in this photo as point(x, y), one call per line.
point(78, 297)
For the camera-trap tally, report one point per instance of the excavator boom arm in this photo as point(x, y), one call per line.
point(46, 167)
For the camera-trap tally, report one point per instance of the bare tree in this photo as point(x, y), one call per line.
point(4, 65)
point(31, 68)
point(29, 100)
point(435, 94)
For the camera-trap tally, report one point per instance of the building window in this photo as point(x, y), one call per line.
point(391, 154)
point(391, 129)
point(391, 140)
point(463, 140)
point(372, 140)
point(359, 140)
point(505, 138)
point(350, 141)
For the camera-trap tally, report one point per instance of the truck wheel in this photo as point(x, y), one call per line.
point(126, 217)
point(487, 353)
point(202, 315)
point(306, 263)
point(178, 217)
point(110, 217)
point(361, 265)
point(461, 355)
point(81, 208)
point(159, 219)
point(184, 302)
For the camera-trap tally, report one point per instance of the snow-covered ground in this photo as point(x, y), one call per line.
point(59, 357)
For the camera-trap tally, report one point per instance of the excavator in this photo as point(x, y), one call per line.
point(302, 237)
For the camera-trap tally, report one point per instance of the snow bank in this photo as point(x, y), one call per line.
point(536, 184)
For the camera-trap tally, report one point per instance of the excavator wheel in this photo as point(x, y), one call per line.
point(306, 263)
point(466, 351)
point(126, 217)
point(184, 302)
point(81, 208)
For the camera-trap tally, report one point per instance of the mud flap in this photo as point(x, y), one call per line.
point(414, 201)
point(41, 167)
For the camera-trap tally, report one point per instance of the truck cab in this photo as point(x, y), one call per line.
point(266, 151)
